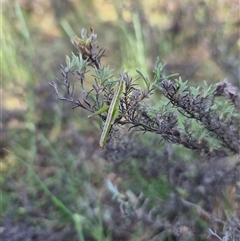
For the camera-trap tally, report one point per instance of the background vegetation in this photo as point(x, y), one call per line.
point(55, 180)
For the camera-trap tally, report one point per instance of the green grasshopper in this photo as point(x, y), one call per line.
point(113, 112)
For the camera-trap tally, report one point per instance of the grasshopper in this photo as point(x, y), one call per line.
point(113, 112)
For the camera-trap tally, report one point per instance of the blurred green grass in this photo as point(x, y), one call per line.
point(51, 149)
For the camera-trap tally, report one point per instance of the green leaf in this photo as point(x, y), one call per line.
point(146, 80)
point(207, 89)
point(103, 74)
point(68, 62)
point(183, 85)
